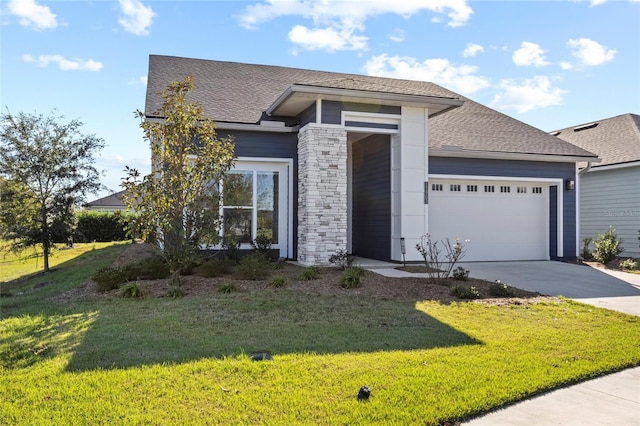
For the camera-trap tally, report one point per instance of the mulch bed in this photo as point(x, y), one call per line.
point(374, 285)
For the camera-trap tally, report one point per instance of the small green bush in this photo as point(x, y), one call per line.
point(341, 259)
point(309, 273)
point(586, 253)
point(460, 274)
point(215, 268)
point(465, 292)
point(499, 289)
point(109, 278)
point(277, 281)
point(253, 267)
point(628, 265)
point(607, 246)
point(175, 292)
point(228, 288)
point(152, 268)
point(102, 226)
point(352, 277)
point(262, 244)
point(131, 291)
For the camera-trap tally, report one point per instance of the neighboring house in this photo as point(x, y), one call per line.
point(110, 203)
point(609, 191)
point(334, 161)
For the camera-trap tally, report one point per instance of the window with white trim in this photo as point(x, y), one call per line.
point(454, 187)
point(489, 188)
point(505, 189)
point(472, 188)
point(436, 187)
point(536, 190)
point(522, 190)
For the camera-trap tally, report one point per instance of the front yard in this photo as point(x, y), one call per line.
point(70, 355)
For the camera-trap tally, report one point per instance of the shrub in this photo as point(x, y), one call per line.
point(341, 259)
point(499, 289)
point(252, 267)
point(352, 277)
point(109, 278)
point(309, 273)
point(262, 245)
point(231, 247)
point(102, 226)
point(131, 290)
point(214, 268)
point(465, 292)
point(607, 246)
point(628, 265)
point(586, 253)
point(277, 281)
point(228, 288)
point(460, 274)
point(151, 268)
point(175, 292)
point(439, 268)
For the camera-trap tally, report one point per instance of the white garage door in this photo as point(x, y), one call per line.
point(502, 220)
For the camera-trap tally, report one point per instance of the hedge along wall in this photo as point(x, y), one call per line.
point(102, 227)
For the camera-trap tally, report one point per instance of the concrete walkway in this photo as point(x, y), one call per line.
point(610, 400)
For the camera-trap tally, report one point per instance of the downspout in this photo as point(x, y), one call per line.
point(578, 175)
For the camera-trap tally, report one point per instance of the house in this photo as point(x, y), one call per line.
point(609, 191)
point(110, 203)
point(334, 161)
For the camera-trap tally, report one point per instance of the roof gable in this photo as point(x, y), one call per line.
point(615, 140)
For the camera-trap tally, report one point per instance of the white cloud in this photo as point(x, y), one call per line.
point(329, 39)
point(32, 15)
point(137, 17)
point(566, 66)
point(529, 54)
point(472, 49)
point(591, 53)
point(398, 35)
point(460, 79)
point(63, 63)
point(339, 18)
point(534, 93)
point(140, 81)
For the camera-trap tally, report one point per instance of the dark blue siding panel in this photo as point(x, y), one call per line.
point(371, 189)
point(308, 115)
point(553, 222)
point(270, 145)
point(332, 110)
point(527, 169)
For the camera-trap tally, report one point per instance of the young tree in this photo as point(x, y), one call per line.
point(47, 169)
point(178, 203)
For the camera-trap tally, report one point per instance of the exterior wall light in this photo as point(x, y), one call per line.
point(569, 184)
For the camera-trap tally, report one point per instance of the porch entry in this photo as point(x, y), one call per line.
point(369, 181)
point(256, 203)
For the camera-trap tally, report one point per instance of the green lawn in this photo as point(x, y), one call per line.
point(184, 361)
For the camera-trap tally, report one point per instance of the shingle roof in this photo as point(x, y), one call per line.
point(616, 140)
point(240, 93)
point(113, 200)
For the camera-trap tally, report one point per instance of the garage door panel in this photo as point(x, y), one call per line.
point(500, 226)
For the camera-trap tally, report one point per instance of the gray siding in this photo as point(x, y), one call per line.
point(332, 110)
point(526, 169)
point(612, 198)
point(371, 208)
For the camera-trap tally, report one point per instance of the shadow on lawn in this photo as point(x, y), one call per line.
point(259, 323)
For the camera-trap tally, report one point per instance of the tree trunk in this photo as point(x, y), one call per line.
point(45, 255)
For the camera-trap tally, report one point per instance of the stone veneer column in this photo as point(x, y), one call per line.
point(322, 193)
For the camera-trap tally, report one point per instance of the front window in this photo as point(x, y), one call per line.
point(250, 205)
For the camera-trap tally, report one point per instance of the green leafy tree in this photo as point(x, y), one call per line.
point(47, 169)
point(178, 203)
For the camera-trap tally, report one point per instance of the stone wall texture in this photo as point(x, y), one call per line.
point(322, 193)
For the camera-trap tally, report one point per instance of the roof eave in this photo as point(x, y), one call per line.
point(495, 155)
point(296, 98)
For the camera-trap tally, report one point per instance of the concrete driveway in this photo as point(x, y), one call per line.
point(619, 291)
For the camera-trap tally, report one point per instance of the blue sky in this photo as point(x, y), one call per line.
point(551, 64)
